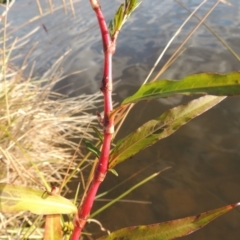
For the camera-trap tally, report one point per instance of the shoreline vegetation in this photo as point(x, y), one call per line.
point(47, 137)
point(41, 131)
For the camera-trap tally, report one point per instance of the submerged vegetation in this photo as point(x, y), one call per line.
point(44, 136)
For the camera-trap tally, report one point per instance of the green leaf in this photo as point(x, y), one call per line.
point(203, 83)
point(15, 199)
point(159, 128)
point(92, 148)
point(53, 227)
point(100, 136)
point(117, 21)
point(130, 6)
point(113, 171)
point(169, 230)
point(123, 13)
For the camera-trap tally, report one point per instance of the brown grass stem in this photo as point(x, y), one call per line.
point(213, 33)
point(185, 40)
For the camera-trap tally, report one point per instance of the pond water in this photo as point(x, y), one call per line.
point(204, 155)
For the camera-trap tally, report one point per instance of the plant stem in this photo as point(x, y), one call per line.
point(108, 125)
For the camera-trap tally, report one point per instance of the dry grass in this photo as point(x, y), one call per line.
point(40, 131)
point(36, 127)
point(34, 132)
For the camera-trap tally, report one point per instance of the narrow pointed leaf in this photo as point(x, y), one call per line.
point(204, 83)
point(53, 227)
point(116, 23)
point(125, 193)
point(99, 135)
point(15, 199)
point(92, 148)
point(130, 6)
point(159, 128)
point(122, 14)
point(119, 18)
point(113, 171)
point(169, 230)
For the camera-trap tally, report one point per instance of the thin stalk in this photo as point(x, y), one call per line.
point(108, 127)
point(171, 40)
point(8, 6)
point(33, 227)
point(90, 178)
point(64, 6)
point(213, 32)
point(72, 8)
point(68, 176)
point(91, 175)
point(186, 39)
point(5, 63)
point(50, 5)
point(35, 18)
point(126, 193)
point(39, 8)
point(123, 182)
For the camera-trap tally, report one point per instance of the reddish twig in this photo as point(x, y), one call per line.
point(108, 125)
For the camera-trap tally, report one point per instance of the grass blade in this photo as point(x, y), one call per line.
point(125, 193)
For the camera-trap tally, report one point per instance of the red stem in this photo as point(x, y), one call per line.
point(101, 170)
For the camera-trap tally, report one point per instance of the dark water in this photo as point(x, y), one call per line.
point(204, 154)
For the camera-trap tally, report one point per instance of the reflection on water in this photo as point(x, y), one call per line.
point(204, 154)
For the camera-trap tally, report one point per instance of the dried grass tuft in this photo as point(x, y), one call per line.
point(40, 132)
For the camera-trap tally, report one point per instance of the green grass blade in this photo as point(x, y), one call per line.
point(159, 128)
point(125, 193)
point(90, 146)
point(26, 232)
point(171, 229)
point(203, 83)
point(99, 135)
point(123, 182)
